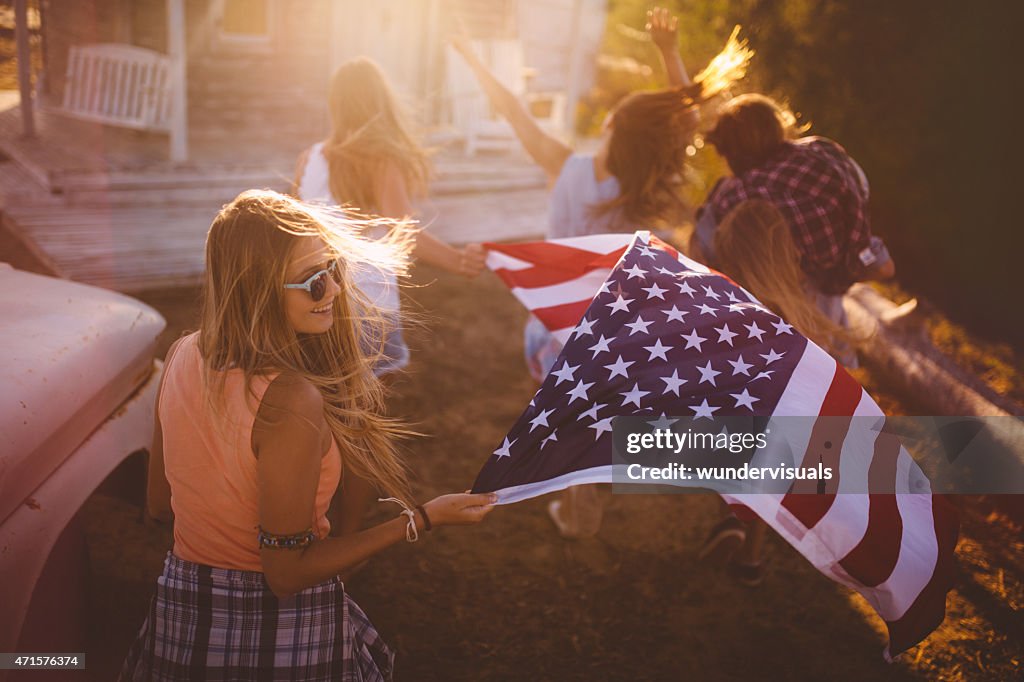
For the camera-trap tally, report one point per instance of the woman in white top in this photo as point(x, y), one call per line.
point(372, 163)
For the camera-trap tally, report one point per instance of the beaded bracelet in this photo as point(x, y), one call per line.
point(294, 541)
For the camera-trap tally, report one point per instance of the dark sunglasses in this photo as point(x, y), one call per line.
point(316, 285)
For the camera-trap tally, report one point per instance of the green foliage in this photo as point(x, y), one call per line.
point(920, 93)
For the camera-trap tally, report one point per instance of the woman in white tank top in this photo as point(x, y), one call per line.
point(372, 163)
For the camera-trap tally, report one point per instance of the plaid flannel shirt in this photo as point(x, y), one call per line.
point(822, 194)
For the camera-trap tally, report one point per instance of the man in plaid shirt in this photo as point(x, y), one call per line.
point(816, 186)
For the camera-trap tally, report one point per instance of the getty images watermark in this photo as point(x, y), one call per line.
point(819, 455)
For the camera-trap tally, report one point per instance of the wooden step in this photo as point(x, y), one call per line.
point(138, 248)
point(160, 178)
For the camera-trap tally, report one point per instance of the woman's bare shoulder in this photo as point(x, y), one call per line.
point(294, 393)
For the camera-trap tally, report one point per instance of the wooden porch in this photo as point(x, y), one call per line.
point(104, 206)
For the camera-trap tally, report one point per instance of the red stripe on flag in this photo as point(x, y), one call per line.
point(561, 316)
point(872, 561)
point(534, 278)
point(664, 246)
point(553, 263)
point(552, 255)
point(545, 276)
point(929, 609)
point(825, 446)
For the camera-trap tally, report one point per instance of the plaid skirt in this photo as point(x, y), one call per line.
point(220, 624)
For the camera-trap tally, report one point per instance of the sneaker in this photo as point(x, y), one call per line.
point(748, 575)
point(726, 537)
point(554, 511)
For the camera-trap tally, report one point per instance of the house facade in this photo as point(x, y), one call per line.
point(257, 70)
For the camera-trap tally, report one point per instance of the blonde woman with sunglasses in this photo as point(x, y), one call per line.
point(261, 415)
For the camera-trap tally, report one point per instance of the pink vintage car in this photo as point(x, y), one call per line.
point(77, 388)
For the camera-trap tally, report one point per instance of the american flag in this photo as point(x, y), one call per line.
point(647, 330)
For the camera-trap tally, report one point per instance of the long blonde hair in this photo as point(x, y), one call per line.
point(244, 326)
point(369, 128)
point(652, 135)
point(755, 247)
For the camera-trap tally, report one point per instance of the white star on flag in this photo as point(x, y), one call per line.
point(725, 335)
point(566, 373)
point(579, 392)
point(754, 331)
point(708, 373)
point(620, 304)
point(693, 340)
point(654, 291)
point(782, 328)
point(638, 326)
point(744, 399)
point(505, 449)
point(771, 356)
point(592, 412)
point(634, 395)
point(657, 350)
point(662, 422)
point(584, 327)
point(601, 426)
point(618, 367)
point(635, 271)
point(541, 419)
point(674, 314)
point(703, 410)
point(705, 309)
point(673, 382)
point(739, 366)
point(600, 347)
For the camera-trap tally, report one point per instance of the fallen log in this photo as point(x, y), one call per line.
point(893, 341)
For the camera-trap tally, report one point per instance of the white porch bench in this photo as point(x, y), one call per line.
point(120, 85)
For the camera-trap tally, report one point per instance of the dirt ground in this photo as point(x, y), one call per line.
point(511, 600)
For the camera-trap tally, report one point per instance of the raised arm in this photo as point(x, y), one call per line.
point(300, 170)
point(396, 203)
point(663, 29)
point(288, 439)
point(547, 151)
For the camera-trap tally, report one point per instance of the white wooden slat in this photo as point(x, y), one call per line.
point(96, 89)
point(82, 99)
point(145, 88)
point(106, 106)
point(70, 76)
point(117, 91)
point(132, 87)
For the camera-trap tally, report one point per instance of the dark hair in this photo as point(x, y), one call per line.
point(750, 130)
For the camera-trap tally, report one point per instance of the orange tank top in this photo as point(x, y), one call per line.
point(211, 467)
